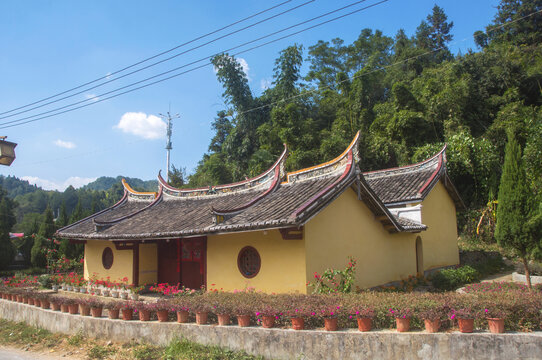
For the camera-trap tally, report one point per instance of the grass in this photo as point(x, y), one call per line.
point(23, 335)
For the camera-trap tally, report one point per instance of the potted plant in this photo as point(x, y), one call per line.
point(113, 308)
point(431, 314)
point(465, 318)
point(55, 304)
point(328, 308)
point(96, 307)
point(84, 307)
point(364, 316)
point(402, 317)
point(162, 310)
point(243, 307)
point(221, 306)
point(135, 291)
point(495, 318)
point(201, 308)
point(127, 310)
point(143, 310)
point(268, 311)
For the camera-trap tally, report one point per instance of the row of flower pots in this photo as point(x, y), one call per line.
point(126, 310)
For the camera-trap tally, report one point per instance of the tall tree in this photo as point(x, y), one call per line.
point(62, 219)
point(47, 227)
point(177, 177)
point(516, 220)
point(523, 20)
point(434, 35)
point(286, 71)
point(222, 127)
point(7, 220)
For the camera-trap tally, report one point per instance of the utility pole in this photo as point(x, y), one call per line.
point(168, 117)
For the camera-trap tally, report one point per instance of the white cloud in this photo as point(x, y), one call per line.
point(265, 84)
point(142, 125)
point(45, 184)
point(244, 67)
point(64, 144)
point(92, 96)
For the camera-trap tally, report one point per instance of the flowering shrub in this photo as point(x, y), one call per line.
point(333, 281)
point(172, 290)
point(363, 312)
point(400, 313)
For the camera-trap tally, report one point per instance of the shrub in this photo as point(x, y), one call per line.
point(451, 279)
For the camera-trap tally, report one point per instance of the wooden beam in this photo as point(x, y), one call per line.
point(135, 264)
point(291, 233)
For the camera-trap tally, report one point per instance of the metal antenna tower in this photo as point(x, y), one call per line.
point(168, 117)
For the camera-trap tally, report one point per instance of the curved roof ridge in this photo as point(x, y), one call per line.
point(349, 169)
point(139, 195)
point(228, 188)
point(433, 160)
point(329, 166)
point(120, 202)
point(117, 220)
point(273, 187)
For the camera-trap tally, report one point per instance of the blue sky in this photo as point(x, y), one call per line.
point(51, 46)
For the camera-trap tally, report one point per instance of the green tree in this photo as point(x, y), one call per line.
point(47, 227)
point(286, 71)
point(516, 221)
point(37, 254)
point(177, 177)
point(7, 220)
point(62, 219)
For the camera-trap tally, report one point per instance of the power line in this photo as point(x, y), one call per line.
point(100, 150)
point(100, 98)
point(159, 62)
point(148, 59)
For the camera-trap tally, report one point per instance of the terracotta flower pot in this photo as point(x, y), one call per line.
point(55, 306)
point(403, 324)
point(64, 308)
point(37, 302)
point(19, 298)
point(365, 324)
point(466, 325)
point(268, 321)
point(45, 304)
point(84, 310)
point(162, 315)
point(25, 299)
point(127, 314)
point(243, 320)
point(201, 317)
point(432, 326)
point(330, 324)
point(223, 319)
point(96, 312)
point(144, 315)
point(496, 326)
point(182, 316)
point(74, 308)
point(113, 313)
point(298, 323)
point(30, 301)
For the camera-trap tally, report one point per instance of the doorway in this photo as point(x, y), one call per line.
point(183, 261)
point(419, 257)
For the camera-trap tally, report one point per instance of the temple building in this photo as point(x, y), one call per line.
point(272, 232)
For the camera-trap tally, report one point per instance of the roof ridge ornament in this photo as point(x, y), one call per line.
point(140, 195)
point(328, 167)
point(259, 180)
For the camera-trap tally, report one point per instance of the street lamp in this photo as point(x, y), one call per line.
point(7, 151)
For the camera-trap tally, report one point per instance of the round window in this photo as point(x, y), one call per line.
point(249, 262)
point(107, 258)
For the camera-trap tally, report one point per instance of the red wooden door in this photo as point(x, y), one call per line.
point(193, 262)
point(168, 269)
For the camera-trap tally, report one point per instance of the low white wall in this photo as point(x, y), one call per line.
point(516, 277)
point(290, 344)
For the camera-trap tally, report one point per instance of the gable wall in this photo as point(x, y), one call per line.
point(439, 241)
point(347, 227)
point(282, 262)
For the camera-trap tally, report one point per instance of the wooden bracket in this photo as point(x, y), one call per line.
point(292, 233)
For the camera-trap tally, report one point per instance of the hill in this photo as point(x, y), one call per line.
point(106, 182)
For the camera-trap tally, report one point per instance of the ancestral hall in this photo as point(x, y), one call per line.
point(272, 232)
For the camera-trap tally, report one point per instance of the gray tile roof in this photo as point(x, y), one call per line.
point(260, 203)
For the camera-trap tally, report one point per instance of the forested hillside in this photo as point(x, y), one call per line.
point(407, 93)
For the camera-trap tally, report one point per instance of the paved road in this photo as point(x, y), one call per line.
point(15, 354)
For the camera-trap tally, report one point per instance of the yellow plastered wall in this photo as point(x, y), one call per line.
point(348, 228)
point(439, 241)
point(148, 264)
point(122, 262)
point(282, 262)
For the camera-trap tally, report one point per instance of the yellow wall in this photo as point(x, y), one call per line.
point(148, 264)
point(122, 262)
point(282, 262)
point(439, 241)
point(348, 228)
